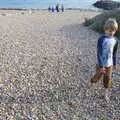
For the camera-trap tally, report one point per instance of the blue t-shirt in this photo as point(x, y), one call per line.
point(106, 51)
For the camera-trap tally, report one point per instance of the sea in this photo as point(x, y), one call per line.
point(43, 4)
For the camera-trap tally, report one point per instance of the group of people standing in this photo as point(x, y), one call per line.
point(56, 8)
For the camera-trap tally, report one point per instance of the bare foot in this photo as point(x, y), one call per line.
point(107, 98)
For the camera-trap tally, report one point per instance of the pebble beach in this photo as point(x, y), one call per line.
point(46, 61)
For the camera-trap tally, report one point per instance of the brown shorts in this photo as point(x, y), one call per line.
point(107, 76)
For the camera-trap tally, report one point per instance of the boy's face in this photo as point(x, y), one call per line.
point(110, 32)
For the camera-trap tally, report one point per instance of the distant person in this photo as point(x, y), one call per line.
point(49, 8)
point(62, 8)
point(52, 9)
point(106, 56)
point(57, 8)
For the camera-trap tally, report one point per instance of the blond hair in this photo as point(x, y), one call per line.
point(111, 23)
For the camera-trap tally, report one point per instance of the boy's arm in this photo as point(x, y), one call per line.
point(100, 52)
point(114, 53)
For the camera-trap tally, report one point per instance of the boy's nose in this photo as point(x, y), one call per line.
point(110, 31)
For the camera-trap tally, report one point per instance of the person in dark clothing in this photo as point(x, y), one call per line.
point(49, 8)
point(57, 8)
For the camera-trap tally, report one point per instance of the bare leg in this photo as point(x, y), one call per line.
point(107, 94)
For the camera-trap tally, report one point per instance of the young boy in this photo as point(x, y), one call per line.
point(106, 56)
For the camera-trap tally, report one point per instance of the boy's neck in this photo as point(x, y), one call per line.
point(108, 36)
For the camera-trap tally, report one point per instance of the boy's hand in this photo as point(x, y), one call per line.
point(102, 70)
point(115, 67)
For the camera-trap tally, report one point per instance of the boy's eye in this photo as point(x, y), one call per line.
point(111, 30)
